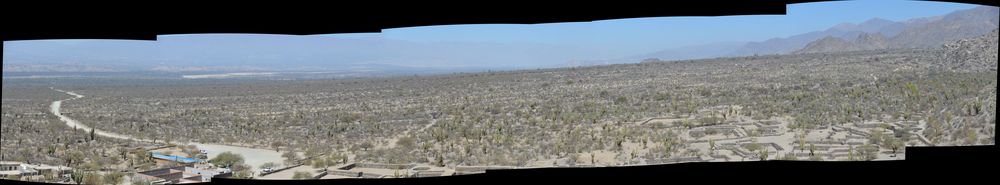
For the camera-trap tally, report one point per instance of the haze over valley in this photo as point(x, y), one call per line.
point(814, 85)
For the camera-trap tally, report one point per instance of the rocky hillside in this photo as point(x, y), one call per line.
point(845, 31)
point(974, 54)
point(864, 41)
point(958, 25)
point(917, 33)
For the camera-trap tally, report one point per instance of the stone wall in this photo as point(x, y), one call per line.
point(347, 166)
point(281, 169)
point(371, 175)
point(320, 175)
point(428, 174)
point(826, 142)
point(385, 166)
point(675, 160)
point(772, 145)
point(478, 169)
point(720, 157)
point(344, 173)
point(775, 146)
point(818, 147)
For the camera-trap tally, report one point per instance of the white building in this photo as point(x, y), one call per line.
point(8, 168)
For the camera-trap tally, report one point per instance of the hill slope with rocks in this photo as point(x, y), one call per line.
point(931, 32)
point(974, 54)
point(864, 41)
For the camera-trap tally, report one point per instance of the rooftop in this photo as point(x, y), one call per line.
point(176, 158)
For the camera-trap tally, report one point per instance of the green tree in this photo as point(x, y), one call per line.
point(621, 100)
point(277, 145)
point(763, 155)
point(850, 153)
point(812, 149)
point(971, 136)
point(114, 178)
point(335, 158)
point(711, 146)
point(291, 158)
point(227, 159)
point(241, 170)
point(439, 161)
point(802, 141)
point(752, 147)
point(73, 158)
point(948, 118)
point(934, 130)
point(913, 91)
point(300, 175)
point(668, 148)
point(869, 152)
point(320, 163)
point(876, 136)
point(366, 145)
point(892, 143)
point(77, 176)
point(93, 179)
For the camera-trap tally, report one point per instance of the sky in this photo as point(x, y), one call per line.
point(649, 34)
point(489, 45)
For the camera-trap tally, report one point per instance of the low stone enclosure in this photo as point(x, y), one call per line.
point(344, 173)
point(382, 166)
point(426, 172)
point(459, 170)
point(376, 170)
point(676, 160)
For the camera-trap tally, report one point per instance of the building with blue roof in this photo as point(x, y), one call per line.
point(173, 158)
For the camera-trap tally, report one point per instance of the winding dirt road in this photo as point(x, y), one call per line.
point(252, 156)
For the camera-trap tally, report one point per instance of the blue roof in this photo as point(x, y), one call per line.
point(176, 158)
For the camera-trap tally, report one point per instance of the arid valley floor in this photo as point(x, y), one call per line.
point(860, 105)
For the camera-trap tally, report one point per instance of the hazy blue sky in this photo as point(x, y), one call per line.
point(649, 34)
point(472, 45)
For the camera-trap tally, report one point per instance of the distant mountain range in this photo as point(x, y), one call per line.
point(876, 33)
point(929, 33)
point(845, 31)
point(864, 41)
point(954, 26)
